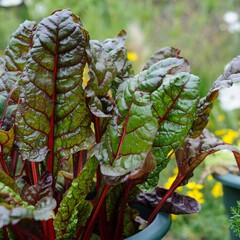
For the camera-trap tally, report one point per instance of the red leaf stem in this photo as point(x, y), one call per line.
point(119, 229)
point(52, 119)
point(5, 233)
point(173, 187)
point(90, 226)
point(34, 172)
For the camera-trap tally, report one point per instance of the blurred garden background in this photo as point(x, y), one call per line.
point(207, 32)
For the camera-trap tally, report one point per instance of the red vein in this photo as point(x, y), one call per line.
point(161, 119)
point(123, 134)
point(51, 134)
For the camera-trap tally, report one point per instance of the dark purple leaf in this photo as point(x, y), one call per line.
point(32, 194)
point(176, 203)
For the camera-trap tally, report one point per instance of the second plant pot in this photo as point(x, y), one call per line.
point(231, 193)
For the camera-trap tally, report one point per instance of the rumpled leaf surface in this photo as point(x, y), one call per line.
point(175, 103)
point(53, 116)
point(195, 150)
point(74, 202)
point(34, 193)
point(230, 76)
point(16, 56)
point(102, 72)
point(167, 52)
point(132, 129)
point(13, 208)
point(175, 204)
point(115, 47)
point(8, 181)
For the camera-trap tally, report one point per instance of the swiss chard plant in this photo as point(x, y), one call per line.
point(77, 153)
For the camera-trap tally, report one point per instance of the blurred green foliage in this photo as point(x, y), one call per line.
point(196, 27)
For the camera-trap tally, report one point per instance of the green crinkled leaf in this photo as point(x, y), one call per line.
point(230, 76)
point(132, 130)
point(164, 53)
point(8, 181)
point(13, 208)
point(74, 200)
point(16, 56)
point(6, 141)
point(53, 116)
point(102, 72)
point(115, 47)
point(175, 103)
point(78, 219)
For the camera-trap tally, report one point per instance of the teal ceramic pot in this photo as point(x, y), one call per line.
point(157, 229)
point(231, 192)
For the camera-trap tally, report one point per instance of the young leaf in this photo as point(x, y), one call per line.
point(175, 204)
point(53, 116)
point(102, 72)
point(43, 188)
point(116, 49)
point(74, 201)
point(175, 103)
point(231, 75)
point(131, 131)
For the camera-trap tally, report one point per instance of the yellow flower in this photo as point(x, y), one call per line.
point(221, 118)
point(169, 182)
point(174, 216)
point(132, 56)
point(217, 190)
point(196, 194)
point(230, 136)
point(220, 132)
point(209, 177)
point(194, 186)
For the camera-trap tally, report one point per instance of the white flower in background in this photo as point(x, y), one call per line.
point(230, 97)
point(231, 19)
point(10, 3)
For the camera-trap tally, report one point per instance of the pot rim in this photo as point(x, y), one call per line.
point(161, 223)
point(229, 179)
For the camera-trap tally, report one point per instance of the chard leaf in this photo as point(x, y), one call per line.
point(78, 219)
point(175, 204)
point(116, 49)
point(13, 208)
point(74, 201)
point(53, 116)
point(8, 181)
point(6, 140)
point(167, 52)
point(175, 103)
point(102, 69)
point(43, 188)
point(133, 124)
point(194, 151)
point(44, 208)
point(16, 56)
point(102, 72)
point(230, 76)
